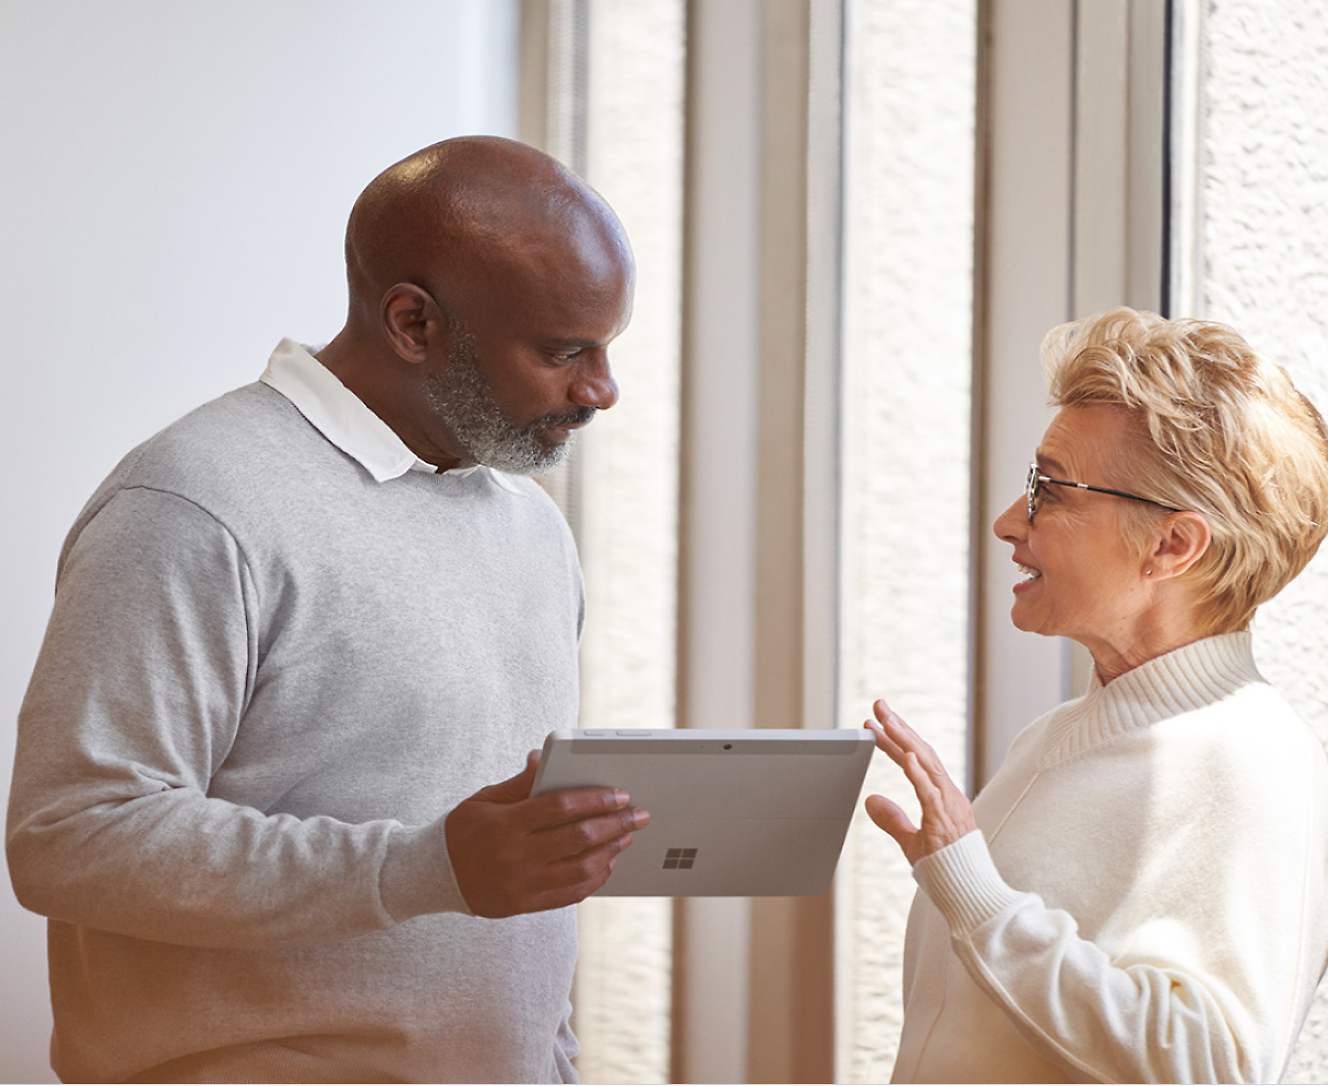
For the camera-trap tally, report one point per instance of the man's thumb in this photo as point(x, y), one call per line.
point(514, 789)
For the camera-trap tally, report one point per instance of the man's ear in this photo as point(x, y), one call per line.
point(1182, 540)
point(410, 318)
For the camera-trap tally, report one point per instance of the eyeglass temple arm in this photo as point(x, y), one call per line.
point(1104, 490)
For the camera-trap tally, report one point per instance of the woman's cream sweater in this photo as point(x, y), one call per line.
point(1146, 899)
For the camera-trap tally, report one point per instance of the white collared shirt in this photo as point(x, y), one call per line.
point(344, 419)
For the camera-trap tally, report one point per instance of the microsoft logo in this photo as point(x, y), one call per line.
point(681, 858)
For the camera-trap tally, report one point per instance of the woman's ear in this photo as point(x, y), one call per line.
point(410, 317)
point(1182, 539)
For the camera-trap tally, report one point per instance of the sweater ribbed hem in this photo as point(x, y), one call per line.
point(963, 883)
point(262, 1061)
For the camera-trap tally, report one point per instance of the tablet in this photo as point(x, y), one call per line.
point(745, 813)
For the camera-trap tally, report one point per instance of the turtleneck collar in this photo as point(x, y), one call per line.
point(1181, 681)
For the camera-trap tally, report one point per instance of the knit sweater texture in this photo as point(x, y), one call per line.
point(1146, 897)
point(266, 680)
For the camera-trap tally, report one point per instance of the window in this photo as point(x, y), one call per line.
point(855, 221)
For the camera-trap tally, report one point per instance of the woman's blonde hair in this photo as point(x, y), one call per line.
point(1223, 432)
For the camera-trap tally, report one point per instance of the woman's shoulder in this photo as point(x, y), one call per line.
point(1255, 716)
point(1251, 748)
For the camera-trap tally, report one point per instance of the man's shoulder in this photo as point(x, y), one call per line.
point(224, 453)
point(243, 432)
point(246, 423)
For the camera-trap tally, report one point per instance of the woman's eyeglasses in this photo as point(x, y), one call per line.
point(1036, 480)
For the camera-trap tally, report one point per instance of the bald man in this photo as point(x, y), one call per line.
point(297, 638)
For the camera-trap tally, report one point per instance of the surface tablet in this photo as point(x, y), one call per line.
point(732, 813)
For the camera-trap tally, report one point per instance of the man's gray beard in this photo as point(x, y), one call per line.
point(462, 401)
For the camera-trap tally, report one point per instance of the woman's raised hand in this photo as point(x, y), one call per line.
point(947, 814)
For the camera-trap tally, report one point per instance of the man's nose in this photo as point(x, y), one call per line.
point(594, 385)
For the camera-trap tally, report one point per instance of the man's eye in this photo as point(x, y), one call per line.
point(564, 356)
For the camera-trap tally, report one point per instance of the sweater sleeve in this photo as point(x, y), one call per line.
point(1159, 1013)
point(149, 661)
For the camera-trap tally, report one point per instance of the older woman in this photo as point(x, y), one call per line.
point(1141, 892)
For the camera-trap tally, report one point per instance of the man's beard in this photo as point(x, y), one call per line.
point(462, 400)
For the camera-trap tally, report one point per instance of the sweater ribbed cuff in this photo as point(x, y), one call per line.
point(417, 876)
point(963, 883)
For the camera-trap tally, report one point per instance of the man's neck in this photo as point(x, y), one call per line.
point(367, 371)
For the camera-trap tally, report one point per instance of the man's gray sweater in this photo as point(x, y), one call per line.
point(266, 680)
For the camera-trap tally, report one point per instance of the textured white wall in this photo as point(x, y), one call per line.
point(176, 181)
point(908, 359)
point(1262, 234)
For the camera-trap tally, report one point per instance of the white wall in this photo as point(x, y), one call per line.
point(175, 182)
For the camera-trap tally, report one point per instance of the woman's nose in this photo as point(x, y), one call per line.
point(1012, 525)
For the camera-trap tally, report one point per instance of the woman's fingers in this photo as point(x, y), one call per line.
point(903, 737)
point(947, 814)
point(913, 754)
point(883, 740)
point(887, 814)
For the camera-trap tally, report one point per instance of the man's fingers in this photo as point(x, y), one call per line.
point(571, 839)
point(571, 805)
point(553, 883)
point(537, 812)
point(593, 866)
point(514, 853)
point(578, 857)
point(580, 877)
